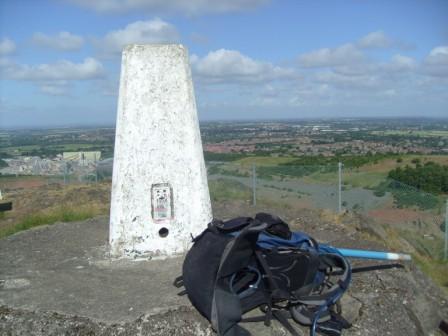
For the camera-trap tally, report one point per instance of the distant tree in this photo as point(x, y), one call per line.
point(431, 177)
point(210, 156)
point(4, 155)
point(379, 192)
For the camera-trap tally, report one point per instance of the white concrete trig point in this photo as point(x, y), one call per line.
point(160, 194)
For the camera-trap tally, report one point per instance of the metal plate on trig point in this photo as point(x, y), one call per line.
point(161, 202)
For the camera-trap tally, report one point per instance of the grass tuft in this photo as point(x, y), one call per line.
point(436, 269)
point(227, 189)
point(63, 213)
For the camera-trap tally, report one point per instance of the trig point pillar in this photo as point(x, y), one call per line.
point(160, 194)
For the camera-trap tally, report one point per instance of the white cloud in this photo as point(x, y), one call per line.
point(350, 71)
point(375, 40)
point(360, 69)
point(397, 64)
point(400, 63)
point(55, 88)
point(268, 95)
point(5, 62)
point(313, 94)
point(90, 68)
point(7, 46)
point(346, 54)
point(151, 31)
point(224, 66)
point(400, 71)
point(439, 54)
point(436, 63)
point(400, 81)
point(352, 56)
point(61, 41)
point(346, 75)
point(339, 81)
point(379, 40)
point(186, 7)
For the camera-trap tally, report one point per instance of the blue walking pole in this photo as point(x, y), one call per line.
point(364, 254)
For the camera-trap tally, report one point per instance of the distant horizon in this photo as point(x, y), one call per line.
point(254, 120)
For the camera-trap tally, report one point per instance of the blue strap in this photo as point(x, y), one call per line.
point(298, 240)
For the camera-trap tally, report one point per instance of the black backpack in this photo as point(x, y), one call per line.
point(245, 263)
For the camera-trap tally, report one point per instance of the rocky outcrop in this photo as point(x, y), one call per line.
point(179, 322)
point(59, 280)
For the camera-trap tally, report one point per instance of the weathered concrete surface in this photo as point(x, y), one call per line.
point(65, 268)
point(159, 175)
point(58, 280)
point(180, 322)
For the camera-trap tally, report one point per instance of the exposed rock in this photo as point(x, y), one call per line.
point(178, 322)
point(59, 280)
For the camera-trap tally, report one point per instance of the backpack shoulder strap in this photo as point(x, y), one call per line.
point(226, 308)
point(219, 226)
point(313, 309)
point(232, 225)
point(276, 225)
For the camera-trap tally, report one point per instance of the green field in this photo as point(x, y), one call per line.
point(18, 149)
point(30, 150)
point(367, 176)
point(64, 147)
point(413, 133)
point(356, 179)
point(222, 189)
point(264, 161)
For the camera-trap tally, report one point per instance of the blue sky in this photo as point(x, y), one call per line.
point(60, 59)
